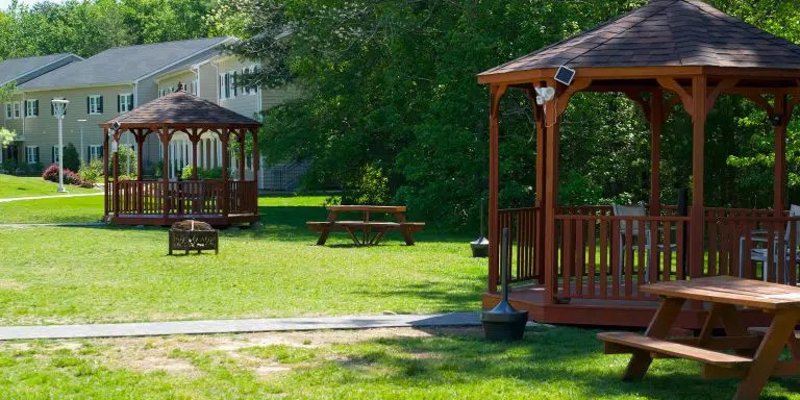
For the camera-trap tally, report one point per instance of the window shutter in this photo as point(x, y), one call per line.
point(100, 104)
point(87, 104)
point(25, 110)
point(102, 149)
point(36, 159)
point(53, 154)
point(235, 85)
point(119, 103)
point(88, 153)
point(36, 108)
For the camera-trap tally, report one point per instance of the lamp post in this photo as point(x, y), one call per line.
point(59, 109)
point(81, 149)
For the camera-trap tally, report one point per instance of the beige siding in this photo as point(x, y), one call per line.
point(172, 82)
point(248, 105)
point(209, 88)
point(42, 130)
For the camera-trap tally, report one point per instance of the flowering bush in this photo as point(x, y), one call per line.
point(70, 177)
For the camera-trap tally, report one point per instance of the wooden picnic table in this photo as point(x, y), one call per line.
point(756, 351)
point(366, 231)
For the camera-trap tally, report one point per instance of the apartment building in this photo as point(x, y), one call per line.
point(119, 79)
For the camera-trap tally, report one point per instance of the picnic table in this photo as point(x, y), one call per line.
point(755, 351)
point(366, 231)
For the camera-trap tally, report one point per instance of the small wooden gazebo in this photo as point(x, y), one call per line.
point(223, 201)
point(583, 267)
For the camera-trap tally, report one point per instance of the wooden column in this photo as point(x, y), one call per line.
point(541, 179)
point(256, 165)
point(782, 116)
point(242, 136)
point(697, 212)
point(553, 138)
point(165, 172)
point(497, 93)
point(106, 207)
point(224, 138)
point(116, 174)
point(194, 139)
point(656, 127)
point(140, 136)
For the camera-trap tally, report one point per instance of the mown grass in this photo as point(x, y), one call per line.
point(552, 363)
point(15, 186)
point(100, 274)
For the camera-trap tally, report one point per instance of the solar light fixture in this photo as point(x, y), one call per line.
point(565, 75)
point(544, 94)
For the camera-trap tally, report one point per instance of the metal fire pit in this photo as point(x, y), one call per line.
point(193, 236)
point(504, 323)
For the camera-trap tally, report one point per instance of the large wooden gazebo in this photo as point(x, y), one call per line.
point(221, 201)
point(580, 264)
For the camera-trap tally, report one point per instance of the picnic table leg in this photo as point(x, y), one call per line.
point(408, 237)
point(767, 355)
point(323, 237)
point(352, 235)
point(659, 328)
point(378, 236)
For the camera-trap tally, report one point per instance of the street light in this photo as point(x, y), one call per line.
point(59, 109)
point(81, 149)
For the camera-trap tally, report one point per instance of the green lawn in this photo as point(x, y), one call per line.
point(58, 275)
point(552, 363)
point(15, 186)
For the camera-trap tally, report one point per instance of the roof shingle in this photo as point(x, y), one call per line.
point(666, 33)
point(181, 108)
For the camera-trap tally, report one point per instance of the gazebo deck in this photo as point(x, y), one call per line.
point(154, 220)
point(601, 312)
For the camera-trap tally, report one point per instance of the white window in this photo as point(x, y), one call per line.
point(95, 152)
point(31, 108)
point(232, 89)
point(17, 108)
point(94, 105)
point(32, 154)
point(54, 154)
point(9, 111)
point(124, 102)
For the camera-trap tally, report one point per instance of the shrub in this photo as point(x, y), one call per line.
point(91, 172)
point(70, 177)
point(72, 160)
point(370, 187)
point(211, 173)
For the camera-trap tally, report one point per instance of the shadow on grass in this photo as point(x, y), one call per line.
point(558, 363)
point(441, 296)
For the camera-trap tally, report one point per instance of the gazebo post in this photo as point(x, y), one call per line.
point(140, 135)
point(194, 137)
point(553, 133)
point(783, 116)
point(164, 136)
point(656, 126)
point(541, 178)
point(105, 172)
point(497, 93)
point(256, 163)
point(116, 174)
point(224, 138)
point(241, 136)
point(697, 213)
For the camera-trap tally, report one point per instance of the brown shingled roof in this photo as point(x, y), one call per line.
point(181, 108)
point(665, 33)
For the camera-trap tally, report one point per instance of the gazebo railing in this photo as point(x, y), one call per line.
point(183, 198)
point(522, 224)
point(600, 256)
point(609, 257)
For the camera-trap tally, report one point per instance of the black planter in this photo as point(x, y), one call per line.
point(504, 323)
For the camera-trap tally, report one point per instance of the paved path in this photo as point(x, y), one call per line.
point(236, 326)
point(57, 196)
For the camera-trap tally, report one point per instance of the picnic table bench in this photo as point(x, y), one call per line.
point(366, 231)
point(750, 354)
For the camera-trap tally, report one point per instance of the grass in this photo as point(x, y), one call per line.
point(104, 274)
point(15, 186)
point(552, 363)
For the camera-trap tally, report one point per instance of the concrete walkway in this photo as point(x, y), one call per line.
point(236, 326)
point(58, 196)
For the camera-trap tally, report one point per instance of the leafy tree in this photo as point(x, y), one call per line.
point(72, 160)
